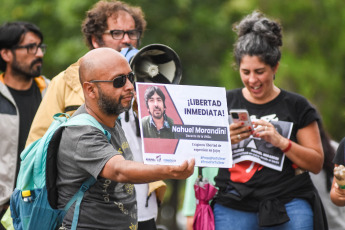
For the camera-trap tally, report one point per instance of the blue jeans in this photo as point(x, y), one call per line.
point(298, 210)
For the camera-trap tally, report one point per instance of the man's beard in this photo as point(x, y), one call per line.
point(110, 106)
point(158, 116)
point(28, 72)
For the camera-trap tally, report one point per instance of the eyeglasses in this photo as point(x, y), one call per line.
point(32, 48)
point(119, 34)
point(119, 81)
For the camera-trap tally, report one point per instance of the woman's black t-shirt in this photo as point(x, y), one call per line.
point(241, 181)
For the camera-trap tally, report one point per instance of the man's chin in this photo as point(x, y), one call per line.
point(123, 109)
point(128, 107)
point(157, 117)
point(35, 73)
point(158, 114)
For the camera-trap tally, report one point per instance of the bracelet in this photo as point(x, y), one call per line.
point(288, 147)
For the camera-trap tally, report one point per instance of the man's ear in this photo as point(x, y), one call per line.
point(6, 55)
point(95, 42)
point(89, 90)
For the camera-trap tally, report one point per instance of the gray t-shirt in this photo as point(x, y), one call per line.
point(83, 152)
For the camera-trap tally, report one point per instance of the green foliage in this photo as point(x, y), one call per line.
point(201, 34)
point(59, 22)
point(313, 54)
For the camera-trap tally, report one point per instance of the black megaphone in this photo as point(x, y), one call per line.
point(155, 63)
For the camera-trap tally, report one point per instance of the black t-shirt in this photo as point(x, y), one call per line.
point(339, 158)
point(288, 107)
point(27, 102)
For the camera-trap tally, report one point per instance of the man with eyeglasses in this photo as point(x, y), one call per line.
point(112, 24)
point(116, 25)
point(21, 90)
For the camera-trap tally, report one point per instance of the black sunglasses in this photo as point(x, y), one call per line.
point(119, 81)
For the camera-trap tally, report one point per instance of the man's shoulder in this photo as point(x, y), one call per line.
point(2, 86)
point(145, 119)
point(145, 122)
point(69, 76)
point(170, 120)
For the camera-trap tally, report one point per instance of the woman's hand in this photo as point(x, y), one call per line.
point(268, 132)
point(239, 132)
point(307, 153)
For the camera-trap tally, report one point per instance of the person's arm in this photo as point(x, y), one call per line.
point(337, 194)
point(306, 154)
point(190, 220)
point(125, 171)
point(58, 96)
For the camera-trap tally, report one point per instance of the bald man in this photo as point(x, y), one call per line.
point(110, 203)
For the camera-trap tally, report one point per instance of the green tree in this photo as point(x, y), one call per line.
point(201, 34)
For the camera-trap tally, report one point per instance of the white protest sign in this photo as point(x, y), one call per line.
point(180, 122)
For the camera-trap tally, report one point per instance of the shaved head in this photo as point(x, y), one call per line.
point(97, 62)
point(98, 68)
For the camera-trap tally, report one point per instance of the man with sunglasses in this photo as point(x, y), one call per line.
point(21, 91)
point(116, 25)
point(107, 83)
point(119, 81)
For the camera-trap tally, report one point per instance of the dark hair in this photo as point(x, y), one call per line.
point(152, 90)
point(258, 36)
point(95, 22)
point(12, 33)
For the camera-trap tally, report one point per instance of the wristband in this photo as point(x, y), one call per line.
point(288, 147)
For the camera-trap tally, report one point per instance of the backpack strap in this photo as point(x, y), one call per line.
point(86, 119)
point(51, 167)
point(51, 170)
point(78, 197)
point(53, 147)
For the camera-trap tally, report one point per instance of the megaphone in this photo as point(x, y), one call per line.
point(155, 63)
